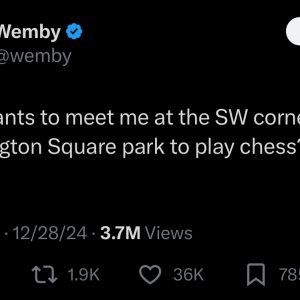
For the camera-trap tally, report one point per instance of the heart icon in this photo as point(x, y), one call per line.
point(150, 274)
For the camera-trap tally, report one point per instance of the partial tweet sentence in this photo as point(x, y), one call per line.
point(223, 133)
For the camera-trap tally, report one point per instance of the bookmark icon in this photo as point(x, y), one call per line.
point(256, 274)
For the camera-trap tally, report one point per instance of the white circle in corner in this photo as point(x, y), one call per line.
point(293, 31)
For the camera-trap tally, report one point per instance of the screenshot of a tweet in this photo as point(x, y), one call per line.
point(150, 148)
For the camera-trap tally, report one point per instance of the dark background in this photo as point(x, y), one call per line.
point(150, 58)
